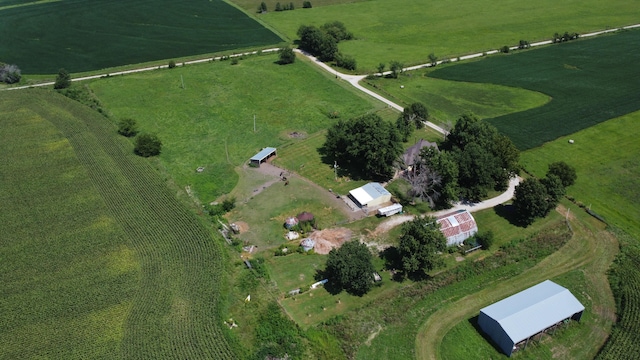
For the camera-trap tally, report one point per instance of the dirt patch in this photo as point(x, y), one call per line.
point(329, 239)
point(297, 135)
point(242, 226)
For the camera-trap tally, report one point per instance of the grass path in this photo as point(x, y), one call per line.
point(591, 247)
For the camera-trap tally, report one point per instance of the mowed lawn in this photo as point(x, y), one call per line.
point(589, 81)
point(409, 30)
point(84, 35)
point(100, 260)
point(210, 122)
point(606, 160)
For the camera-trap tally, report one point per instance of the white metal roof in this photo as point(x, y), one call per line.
point(263, 154)
point(368, 192)
point(532, 310)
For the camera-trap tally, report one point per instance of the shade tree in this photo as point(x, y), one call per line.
point(420, 246)
point(350, 268)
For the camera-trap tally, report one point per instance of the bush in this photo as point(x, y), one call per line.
point(63, 80)
point(172, 64)
point(306, 4)
point(127, 127)
point(345, 61)
point(10, 74)
point(286, 56)
point(485, 239)
point(147, 145)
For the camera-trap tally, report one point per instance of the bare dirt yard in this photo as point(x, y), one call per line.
point(330, 238)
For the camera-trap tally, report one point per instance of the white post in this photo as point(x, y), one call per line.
point(335, 169)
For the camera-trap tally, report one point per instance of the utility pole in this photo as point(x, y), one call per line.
point(254, 122)
point(182, 80)
point(335, 169)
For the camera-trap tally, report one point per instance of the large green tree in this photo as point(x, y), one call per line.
point(367, 146)
point(419, 247)
point(350, 268)
point(445, 164)
point(531, 201)
point(564, 171)
point(317, 42)
point(487, 159)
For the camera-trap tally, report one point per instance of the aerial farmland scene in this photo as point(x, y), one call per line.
point(322, 179)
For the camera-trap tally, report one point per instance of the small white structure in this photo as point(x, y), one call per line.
point(307, 244)
point(291, 222)
point(457, 226)
point(390, 210)
point(371, 194)
point(292, 235)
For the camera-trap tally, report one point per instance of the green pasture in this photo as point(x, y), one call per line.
point(605, 157)
point(210, 122)
point(409, 30)
point(589, 81)
point(266, 212)
point(447, 100)
point(101, 259)
point(84, 35)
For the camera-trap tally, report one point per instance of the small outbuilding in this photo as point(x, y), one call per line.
point(371, 194)
point(291, 222)
point(263, 156)
point(305, 216)
point(512, 322)
point(457, 226)
point(307, 244)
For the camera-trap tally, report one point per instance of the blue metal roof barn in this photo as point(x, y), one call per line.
point(513, 321)
point(263, 155)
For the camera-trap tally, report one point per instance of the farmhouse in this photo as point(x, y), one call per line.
point(371, 194)
point(263, 156)
point(512, 322)
point(409, 156)
point(457, 226)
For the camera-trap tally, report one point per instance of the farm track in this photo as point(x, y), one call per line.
point(592, 249)
point(175, 313)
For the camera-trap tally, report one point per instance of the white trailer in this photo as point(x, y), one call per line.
point(390, 210)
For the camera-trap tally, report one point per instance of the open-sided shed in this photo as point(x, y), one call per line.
point(263, 155)
point(513, 321)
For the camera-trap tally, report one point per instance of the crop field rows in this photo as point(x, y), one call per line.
point(174, 313)
point(86, 35)
point(624, 342)
point(589, 81)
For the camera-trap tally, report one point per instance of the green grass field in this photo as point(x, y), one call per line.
point(106, 263)
point(605, 158)
point(84, 35)
point(210, 122)
point(409, 30)
point(590, 81)
point(447, 100)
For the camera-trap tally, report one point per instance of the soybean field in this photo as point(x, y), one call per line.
point(105, 262)
point(83, 35)
point(589, 81)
